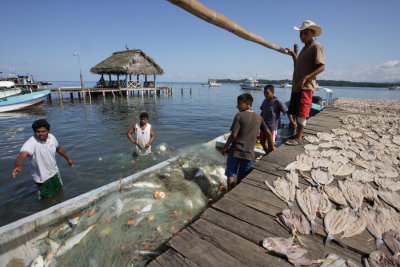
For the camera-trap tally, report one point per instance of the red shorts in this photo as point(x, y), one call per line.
point(263, 135)
point(300, 103)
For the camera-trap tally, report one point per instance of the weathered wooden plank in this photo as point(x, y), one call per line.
point(171, 258)
point(200, 251)
point(263, 226)
point(242, 249)
point(284, 155)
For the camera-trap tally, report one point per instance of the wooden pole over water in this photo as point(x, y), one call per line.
point(199, 10)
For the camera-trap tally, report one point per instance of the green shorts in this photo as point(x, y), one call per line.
point(50, 186)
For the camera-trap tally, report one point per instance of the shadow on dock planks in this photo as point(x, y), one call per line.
point(230, 232)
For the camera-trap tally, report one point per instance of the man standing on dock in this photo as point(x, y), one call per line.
point(307, 65)
point(41, 150)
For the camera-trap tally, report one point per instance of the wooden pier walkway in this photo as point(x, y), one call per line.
point(230, 232)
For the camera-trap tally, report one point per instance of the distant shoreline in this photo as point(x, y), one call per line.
point(320, 82)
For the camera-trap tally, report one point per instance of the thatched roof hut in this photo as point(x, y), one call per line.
point(132, 62)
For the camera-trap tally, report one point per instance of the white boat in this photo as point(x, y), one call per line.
point(22, 101)
point(250, 84)
point(394, 87)
point(212, 83)
point(7, 88)
point(220, 142)
point(286, 85)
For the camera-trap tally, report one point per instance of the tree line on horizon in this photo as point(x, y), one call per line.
point(320, 82)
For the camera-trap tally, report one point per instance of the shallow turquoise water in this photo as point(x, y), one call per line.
point(89, 131)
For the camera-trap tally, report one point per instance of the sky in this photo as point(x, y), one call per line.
point(360, 37)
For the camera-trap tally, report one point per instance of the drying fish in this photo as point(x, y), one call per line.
point(392, 240)
point(396, 139)
point(59, 231)
point(341, 169)
point(390, 197)
point(312, 202)
point(333, 260)
point(335, 195)
point(321, 163)
point(293, 177)
point(355, 224)
point(355, 134)
point(348, 154)
point(376, 223)
point(310, 147)
point(340, 144)
point(339, 158)
point(294, 222)
point(335, 223)
point(321, 177)
point(283, 189)
point(313, 153)
point(285, 247)
point(312, 139)
point(326, 145)
point(363, 176)
point(391, 173)
point(352, 191)
point(146, 208)
point(367, 155)
point(323, 136)
point(145, 185)
point(304, 162)
point(392, 216)
point(369, 192)
point(388, 183)
point(379, 259)
point(364, 164)
point(118, 207)
point(37, 262)
point(329, 153)
point(339, 131)
point(382, 156)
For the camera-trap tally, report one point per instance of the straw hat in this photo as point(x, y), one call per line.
point(308, 24)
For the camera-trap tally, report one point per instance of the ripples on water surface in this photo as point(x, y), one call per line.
point(89, 131)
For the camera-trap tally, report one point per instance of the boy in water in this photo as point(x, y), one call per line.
point(144, 135)
point(41, 149)
point(271, 109)
point(241, 142)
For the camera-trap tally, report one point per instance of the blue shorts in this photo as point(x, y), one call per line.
point(236, 167)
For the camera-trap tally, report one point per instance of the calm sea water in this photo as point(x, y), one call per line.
point(97, 129)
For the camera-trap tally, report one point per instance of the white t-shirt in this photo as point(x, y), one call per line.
point(42, 156)
point(142, 138)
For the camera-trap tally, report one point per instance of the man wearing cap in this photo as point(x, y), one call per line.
point(307, 65)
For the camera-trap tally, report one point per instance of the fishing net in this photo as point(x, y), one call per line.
point(130, 227)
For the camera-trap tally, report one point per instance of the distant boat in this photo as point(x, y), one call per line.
point(250, 84)
point(286, 85)
point(394, 87)
point(321, 98)
point(22, 101)
point(212, 83)
point(7, 88)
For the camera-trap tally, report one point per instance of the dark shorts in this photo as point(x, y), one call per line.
point(300, 103)
point(236, 167)
point(50, 186)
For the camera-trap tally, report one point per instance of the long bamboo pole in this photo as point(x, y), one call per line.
point(213, 17)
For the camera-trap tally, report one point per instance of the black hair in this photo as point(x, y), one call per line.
point(144, 115)
point(246, 97)
point(40, 123)
point(270, 87)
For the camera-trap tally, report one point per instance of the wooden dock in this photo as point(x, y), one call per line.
point(89, 92)
point(230, 232)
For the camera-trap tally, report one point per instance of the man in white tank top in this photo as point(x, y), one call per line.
point(144, 135)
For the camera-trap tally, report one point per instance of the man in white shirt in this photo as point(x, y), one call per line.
point(144, 135)
point(41, 149)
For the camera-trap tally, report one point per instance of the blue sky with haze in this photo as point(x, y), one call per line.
point(361, 38)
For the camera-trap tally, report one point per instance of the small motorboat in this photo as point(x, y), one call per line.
point(286, 85)
point(321, 98)
point(211, 83)
point(250, 84)
point(22, 101)
point(7, 88)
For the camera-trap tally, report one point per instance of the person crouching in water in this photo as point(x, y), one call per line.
point(242, 140)
point(271, 109)
point(144, 135)
point(41, 149)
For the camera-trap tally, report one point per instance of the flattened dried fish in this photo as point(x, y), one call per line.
point(379, 259)
point(335, 195)
point(283, 189)
point(348, 154)
point(339, 158)
point(335, 223)
point(376, 223)
point(326, 145)
point(388, 183)
point(355, 134)
point(367, 155)
point(310, 202)
point(323, 136)
point(342, 169)
point(364, 176)
point(321, 163)
point(311, 139)
point(321, 177)
point(392, 240)
point(294, 222)
point(340, 131)
point(311, 147)
point(333, 260)
point(391, 198)
point(352, 191)
point(285, 247)
point(355, 225)
point(293, 177)
point(364, 164)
